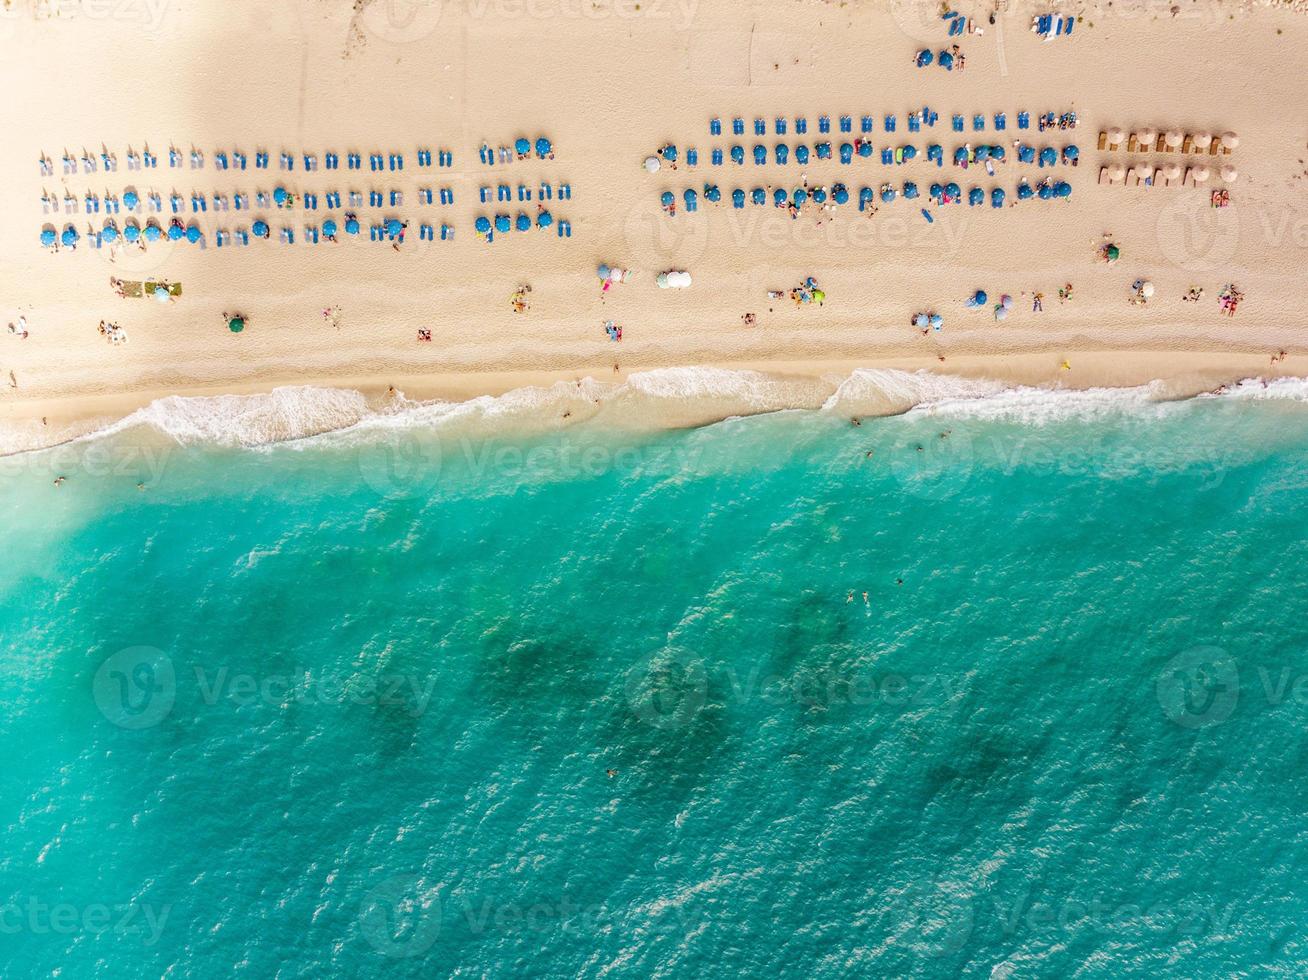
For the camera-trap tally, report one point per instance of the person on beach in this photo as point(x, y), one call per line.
point(1037, 303)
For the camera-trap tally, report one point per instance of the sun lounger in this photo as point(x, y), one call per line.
point(846, 124)
point(914, 122)
point(1186, 144)
point(565, 229)
point(1131, 178)
point(447, 232)
point(957, 123)
point(824, 124)
point(760, 127)
point(1023, 120)
point(865, 124)
point(738, 126)
point(890, 123)
point(260, 159)
point(715, 127)
point(692, 157)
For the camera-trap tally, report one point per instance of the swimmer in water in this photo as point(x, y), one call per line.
point(611, 773)
point(865, 598)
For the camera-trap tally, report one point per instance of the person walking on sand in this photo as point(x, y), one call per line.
point(1036, 303)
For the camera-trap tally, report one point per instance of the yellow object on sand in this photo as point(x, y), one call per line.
point(1066, 366)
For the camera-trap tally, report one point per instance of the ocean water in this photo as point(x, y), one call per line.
point(420, 700)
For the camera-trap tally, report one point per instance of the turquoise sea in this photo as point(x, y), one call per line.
point(411, 702)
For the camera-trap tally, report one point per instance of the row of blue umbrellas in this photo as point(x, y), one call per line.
point(945, 59)
point(839, 194)
point(504, 224)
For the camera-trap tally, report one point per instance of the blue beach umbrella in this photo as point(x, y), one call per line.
point(935, 153)
point(840, 194)
point(921, 320)
point(909, 151)
point(953, 190)
point(711, 193)
point(152, 232)
point(543, 147)
point(982, 154)
point(669, 153)
point(544, 219)
point(779, 197)
point(482, 225)
point(70, 236)
point(935, 192)
point(132, 233)
point(758, 196)
point(846, 152)
point(1026, 154)
point(351, 226)
point(1071, 152)
point(603, 272)
point(522, 145)
point(737, 154)
point(394, 227)
point(887, 194)
point(329, 227)
point(820, 195)
point(279, 196)
point(737, 198)
point(997, 197)
point(1045, 192)
point(690, 197)
point(865, 148)
point(975, 197)
point(946, 61)
point(910, 190)
point(924, 58)
point(523, 223)
point(130, 200)
point(667, 199)
point(936, 320)
point(960, 155)
point(801, 155)
point(47, 237)
point(110, 233)
point(502, 223)
point(1062, 189)
point(192, 234)
point(978, 298)
point(175, 232)
point(997, 152)
point(865, 197)
point(260, 228)
point(1048, 156)
point(760, 155)
point(799, 197)
point(1024, 191)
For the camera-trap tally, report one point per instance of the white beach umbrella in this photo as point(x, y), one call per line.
point(1116, 171)
point(1173, 138)
point(652, 164)
point(1230, 140)
point(1116, 135)
point(1201, 140)
point(1147, 290)
point(1171, 171)
point(1229, 174)
point(1200, 174)
point(1147, 137)
point(662, 280)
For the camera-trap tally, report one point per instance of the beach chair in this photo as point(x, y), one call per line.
point(355, 199)
point(447, 232)
point(565, 192)
point(220, 160)
point(737, 126)
point(565, 229)
point(716, 157)
point(447, 195)
point(286, 161)
point(220, 201)
point(485, 154)
point(824, 124)
point(865, 124)
point(70, 165)
point(801, 125)
point(1103, 140)
point(503, 192)
point(887, 156)
point(692, 157)
point(1023, 120)
point(288, 236)
point(978, 123)
point(1187, 144)
point(957, 122)
point(715, 126)
point(444, 158)
point(242, 237)
point(760, 155)
point(846, 124)
point(353, 161)
point(174, 157)
point(221, 237)
point(890, 123)
point(155, 201)
point(425, 233)
point(397, 161)
point(111, 203)
point(424, 157)
point(425, 195)
point(239, 159)
point(760, 127)
point(310, 162)
point(396, 198)
point(240, 201)
point(545, 192)
point(197, 159)
point(524, 192)
point(149, 159)
point(1132, 179)
point(914, 122)
point(333, 199)
point(310, 234)
point(779, 126)
point(310, 200)
point(260, 159)
point(485, 194)
point(375, 198)
point(1001, 122)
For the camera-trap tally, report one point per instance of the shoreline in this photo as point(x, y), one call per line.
point(671, 397)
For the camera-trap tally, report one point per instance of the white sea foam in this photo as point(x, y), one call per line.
point(659, 398)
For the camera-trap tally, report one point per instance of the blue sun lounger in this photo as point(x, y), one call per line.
point(824, 124)
point(1001, 121)
point(1024, 120)
point(978, 123)
point(801, 125)
point(890, 122)
point(846, 124)
point(887, 156)
point(957, 123)
point(738, 127)
point(715, 126)
point(865, 124)
point(692, 157)
point(760, 127)
point(779, 126)
point(738, 154)
point(915, 122)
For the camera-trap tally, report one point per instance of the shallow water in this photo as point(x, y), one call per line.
point(347, 706)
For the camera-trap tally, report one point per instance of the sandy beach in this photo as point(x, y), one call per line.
point(609, 83)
